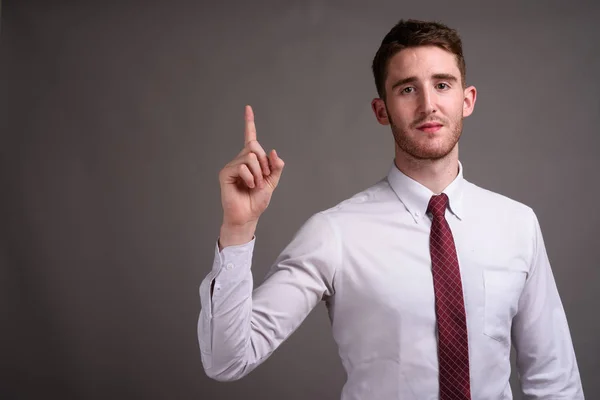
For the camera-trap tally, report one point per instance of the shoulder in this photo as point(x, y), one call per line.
point(366, 199)
point(506, 214)
point(483, 200)
point(365, 204)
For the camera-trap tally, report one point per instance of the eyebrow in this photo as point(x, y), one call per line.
point(411, 79)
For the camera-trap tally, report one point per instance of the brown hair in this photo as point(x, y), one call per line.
point(413, 33)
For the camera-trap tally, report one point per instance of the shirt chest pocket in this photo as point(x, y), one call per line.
point(502, 292)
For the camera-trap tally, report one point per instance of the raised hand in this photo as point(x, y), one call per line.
point(247, 184)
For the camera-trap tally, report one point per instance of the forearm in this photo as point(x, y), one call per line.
point(546, 358)
point(226, 310)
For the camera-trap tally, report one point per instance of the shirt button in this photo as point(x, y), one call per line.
point(229, 266)
point(417, 214)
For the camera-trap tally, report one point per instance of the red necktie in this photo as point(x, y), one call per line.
point(453, 346)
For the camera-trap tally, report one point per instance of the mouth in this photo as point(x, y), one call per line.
point(430, 127)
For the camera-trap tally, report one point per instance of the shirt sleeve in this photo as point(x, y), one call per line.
point(239, 327)
point(546, 359)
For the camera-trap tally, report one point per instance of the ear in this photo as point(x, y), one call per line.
point(469, 102)
point(378, 106)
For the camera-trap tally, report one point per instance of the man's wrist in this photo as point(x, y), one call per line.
point(234, 235)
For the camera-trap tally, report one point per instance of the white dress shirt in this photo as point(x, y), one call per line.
point(368, 259)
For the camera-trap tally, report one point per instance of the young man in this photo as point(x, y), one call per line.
point(428, 278)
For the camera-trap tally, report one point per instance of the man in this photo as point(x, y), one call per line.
point(428, 278)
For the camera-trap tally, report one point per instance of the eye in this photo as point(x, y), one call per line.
point(408, 89)
point(442, 86)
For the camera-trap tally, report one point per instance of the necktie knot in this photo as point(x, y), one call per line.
point(437, 205)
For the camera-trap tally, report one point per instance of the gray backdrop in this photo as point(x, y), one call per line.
point(117, 116)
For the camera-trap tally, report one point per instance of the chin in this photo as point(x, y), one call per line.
point(429, 152)
point(424, 146)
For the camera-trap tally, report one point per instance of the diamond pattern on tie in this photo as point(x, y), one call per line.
point(453, 346)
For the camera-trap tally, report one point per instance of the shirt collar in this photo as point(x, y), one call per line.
point(415, 196)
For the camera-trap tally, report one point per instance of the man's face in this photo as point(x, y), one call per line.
point(425, 102)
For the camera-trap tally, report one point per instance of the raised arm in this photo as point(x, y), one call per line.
point(238, 327)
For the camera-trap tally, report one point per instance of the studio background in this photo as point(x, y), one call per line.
point(117, 116)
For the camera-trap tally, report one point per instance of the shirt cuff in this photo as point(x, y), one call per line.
point(233, 259)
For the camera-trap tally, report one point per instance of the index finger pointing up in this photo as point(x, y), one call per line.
point(250, 128)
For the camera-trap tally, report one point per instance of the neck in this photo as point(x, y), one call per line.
point(435, 175)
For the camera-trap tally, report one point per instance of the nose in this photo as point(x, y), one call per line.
point(427, 102)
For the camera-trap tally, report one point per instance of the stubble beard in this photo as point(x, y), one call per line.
point(417, 151)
